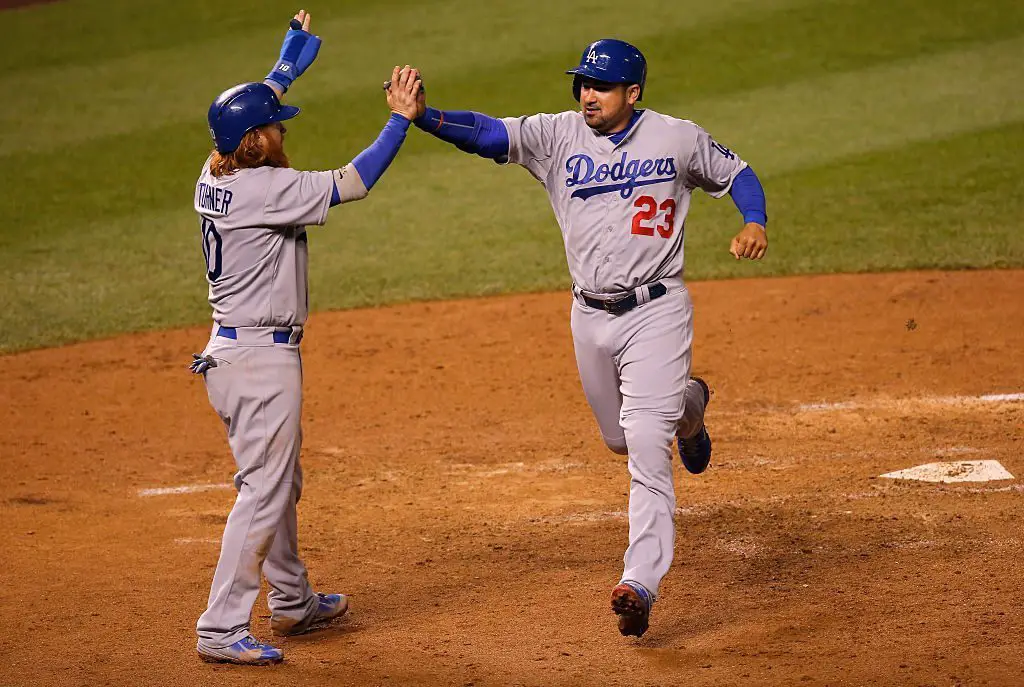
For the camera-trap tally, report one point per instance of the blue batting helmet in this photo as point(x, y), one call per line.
point(241, 109)
point(610, 60)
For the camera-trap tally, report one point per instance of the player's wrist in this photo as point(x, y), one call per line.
point(400, 119)
point(429, 120)
point(298, 51)
point(276, 85)
point(282, 74)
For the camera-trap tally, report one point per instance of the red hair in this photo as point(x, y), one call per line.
point(255, 150)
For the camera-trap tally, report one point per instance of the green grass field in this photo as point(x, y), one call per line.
point(888, 133)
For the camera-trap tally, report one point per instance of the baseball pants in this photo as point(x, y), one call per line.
point(257, 392)
point(635, 370)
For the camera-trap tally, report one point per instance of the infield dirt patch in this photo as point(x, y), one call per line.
point(457, 488)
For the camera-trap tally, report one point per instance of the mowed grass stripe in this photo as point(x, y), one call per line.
point(949, 203)
point(802, 41)
point(777, 129)
point(79, 102)
point(710, 49)
point(819, 120)
point(489, 230)
point(82, 32)
point(885, 134)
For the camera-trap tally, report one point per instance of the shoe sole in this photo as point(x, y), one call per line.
point(206, 658)
point(632, 611)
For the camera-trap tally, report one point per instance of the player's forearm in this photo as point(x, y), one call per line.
point(748, 195)
point(369, 165)
point(471, 132)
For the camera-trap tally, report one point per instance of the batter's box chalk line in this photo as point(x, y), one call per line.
point(956, 471)
point(184, 489)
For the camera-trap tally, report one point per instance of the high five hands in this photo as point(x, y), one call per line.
point(750, 243)
point(405, 93)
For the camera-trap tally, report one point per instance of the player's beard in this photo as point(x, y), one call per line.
point(274, 151)
point(595, 121)
point(604, 121)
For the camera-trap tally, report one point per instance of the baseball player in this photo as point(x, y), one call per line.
point(619, 180)
point(253, 212)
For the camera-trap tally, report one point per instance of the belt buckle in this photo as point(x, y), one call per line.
point(615, 306)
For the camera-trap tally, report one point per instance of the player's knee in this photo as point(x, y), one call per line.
point(653, 429)
point(617, 445)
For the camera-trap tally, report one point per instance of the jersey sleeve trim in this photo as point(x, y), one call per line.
point(728, 186)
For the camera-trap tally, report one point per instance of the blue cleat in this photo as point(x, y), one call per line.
point(696, 450)
point(329, 607)
point(632, 603)
point(247, 651)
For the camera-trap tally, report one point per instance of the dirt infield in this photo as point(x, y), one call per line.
point(457, 487)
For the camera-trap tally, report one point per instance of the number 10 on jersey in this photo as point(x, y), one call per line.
point(648, 209)
point(212, 250)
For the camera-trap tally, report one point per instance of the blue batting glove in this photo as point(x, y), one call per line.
point(298, 51)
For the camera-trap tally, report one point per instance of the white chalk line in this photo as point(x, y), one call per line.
point(196, 540)
point(921, 400)
point(184, 489)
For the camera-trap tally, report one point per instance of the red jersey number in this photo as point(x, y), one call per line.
point(648, 209)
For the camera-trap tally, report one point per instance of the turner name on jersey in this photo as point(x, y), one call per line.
point(213, 198)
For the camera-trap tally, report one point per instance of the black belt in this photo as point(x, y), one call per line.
point(625, 303)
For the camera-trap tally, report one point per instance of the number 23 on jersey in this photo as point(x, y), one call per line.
point(662, 217)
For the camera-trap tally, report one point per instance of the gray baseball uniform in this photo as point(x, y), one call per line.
point(622, 210)
point(256, 249)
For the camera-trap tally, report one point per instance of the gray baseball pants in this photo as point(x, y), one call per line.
point(635, 372)
point(257, 392)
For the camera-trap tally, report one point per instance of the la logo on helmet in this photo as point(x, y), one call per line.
point(592, 57)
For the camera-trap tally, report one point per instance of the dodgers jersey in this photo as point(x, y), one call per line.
point(253, 225)
point(621, 207)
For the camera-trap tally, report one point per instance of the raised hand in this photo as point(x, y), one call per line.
point(403, 92)
point(298, 51)
point(300, 22)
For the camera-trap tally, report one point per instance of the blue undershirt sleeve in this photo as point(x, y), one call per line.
point(471, 132)
point(748, 195)
point(335, 196)
point(372, 162)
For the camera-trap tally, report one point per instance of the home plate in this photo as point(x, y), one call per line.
point(959, 471)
